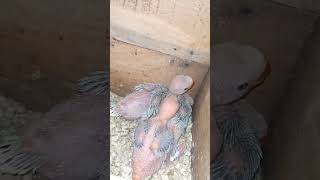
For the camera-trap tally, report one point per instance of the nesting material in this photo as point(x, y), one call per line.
point(14, 116)
point(121, 147)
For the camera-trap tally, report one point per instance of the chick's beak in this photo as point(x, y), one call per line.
point(136, 177)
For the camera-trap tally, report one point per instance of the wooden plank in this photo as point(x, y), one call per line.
point(294, 144)
point(132, 37)
point(54, 16)
point(201, 132)
point(312, 5)
point(152, 33)
point(131, 65)
point(190, 16)
point(150, 30)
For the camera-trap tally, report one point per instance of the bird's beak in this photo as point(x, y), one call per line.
point(136, 177)
point(263, 76)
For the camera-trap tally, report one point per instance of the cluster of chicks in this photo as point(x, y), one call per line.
point(239, 128)
point(162, 115)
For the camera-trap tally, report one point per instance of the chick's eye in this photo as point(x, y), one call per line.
point(242, 86)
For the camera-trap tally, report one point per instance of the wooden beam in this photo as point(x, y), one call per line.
point(309, 5)
point(131, 65)
point(201, 132)
point(151, 32)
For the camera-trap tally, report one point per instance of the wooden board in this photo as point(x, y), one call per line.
point(312, 5)
point(294, 147)
point(131, 65)
point(201, 133)
point(145, 25)
point(46, 45)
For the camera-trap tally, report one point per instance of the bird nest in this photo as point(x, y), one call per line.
point(121, 148)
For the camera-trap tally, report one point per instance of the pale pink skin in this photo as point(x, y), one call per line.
point(134, 105)
point(74, 141)
point(144, 162)
point(180, 84)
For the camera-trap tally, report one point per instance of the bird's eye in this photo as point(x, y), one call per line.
point(185, 89)
point(242, 86)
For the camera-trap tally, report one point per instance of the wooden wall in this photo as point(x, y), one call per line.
point(201, 133)
point(46, 45)
point(131, 65)
point(180, 27)
point(294, 149)
point(280, 32)
point(154, 40)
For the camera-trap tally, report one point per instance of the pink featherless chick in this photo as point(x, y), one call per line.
point(154, 141)
point(144, 101)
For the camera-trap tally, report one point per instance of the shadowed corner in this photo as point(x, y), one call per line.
point(201, 131)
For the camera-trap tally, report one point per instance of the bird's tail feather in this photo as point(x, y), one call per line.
point(94, 83)
point(16, 162)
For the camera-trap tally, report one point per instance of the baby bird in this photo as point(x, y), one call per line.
point(144, 102)
point(237, 70)
point(145, 162)
point(155, 138)
point(70, 143)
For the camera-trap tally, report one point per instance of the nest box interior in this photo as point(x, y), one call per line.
point(44, 52)
point(152, 41)
point(287, 33)
point(45, 46)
